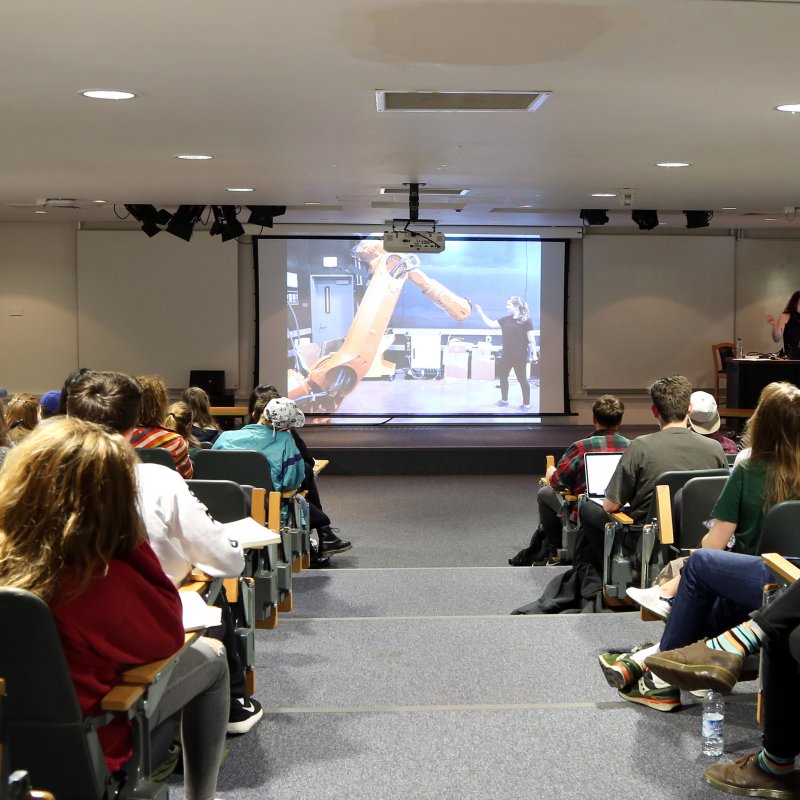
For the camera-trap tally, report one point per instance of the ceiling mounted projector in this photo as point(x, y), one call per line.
point(413, 242)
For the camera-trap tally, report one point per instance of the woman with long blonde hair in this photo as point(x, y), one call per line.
point(70, 532)
point(5, 440)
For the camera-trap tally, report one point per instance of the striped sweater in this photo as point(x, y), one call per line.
point(169, 440)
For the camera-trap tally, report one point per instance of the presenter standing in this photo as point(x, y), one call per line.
point(519, 342)
point(787, 325)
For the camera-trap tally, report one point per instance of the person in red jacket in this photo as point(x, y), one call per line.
point(70, 531)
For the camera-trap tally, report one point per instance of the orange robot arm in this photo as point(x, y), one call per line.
point(333, 376)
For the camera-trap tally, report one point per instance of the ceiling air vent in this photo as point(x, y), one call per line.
point(459, 101)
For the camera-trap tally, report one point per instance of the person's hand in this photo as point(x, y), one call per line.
point(770, 319)
point(478, 309)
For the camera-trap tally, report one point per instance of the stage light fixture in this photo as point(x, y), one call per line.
point(698, 219)
point(183, 221)
point(225, 223)
point(151, 219)
point(646, 220)
point(594, 216)
point(263, 215)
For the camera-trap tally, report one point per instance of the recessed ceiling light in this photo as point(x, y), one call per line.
point(673, 164)
point(524, 205)
point(39, 212)
point(791, 108)
point(108, 94)
point(311, 203)
point(770, 219)
point(99, 202)
point(239, 189)
point(602, 194)
point(729, 208)
point(193, 157)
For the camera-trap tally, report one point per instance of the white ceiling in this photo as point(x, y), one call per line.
point(283, 95)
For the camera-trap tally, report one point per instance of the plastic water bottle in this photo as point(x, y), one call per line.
point(713, 719)
point(739, 348)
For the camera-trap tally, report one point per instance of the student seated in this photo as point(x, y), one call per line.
point(70, 531)
point(22, 414)
point(204, 427)
point(179, 419)
point(719, 587)
point(180, 531)
point(569, 474)
point(151, 431)
point(272, 435)
point(673, 447)
point(769, 772)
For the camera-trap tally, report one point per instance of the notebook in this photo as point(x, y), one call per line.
point(599, 468)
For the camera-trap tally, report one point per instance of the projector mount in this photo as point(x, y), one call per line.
point(406, 240)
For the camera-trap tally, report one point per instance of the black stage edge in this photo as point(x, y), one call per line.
point(443, 449)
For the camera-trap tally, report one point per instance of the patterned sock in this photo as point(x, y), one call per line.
point(773, 765)
point(744, 639)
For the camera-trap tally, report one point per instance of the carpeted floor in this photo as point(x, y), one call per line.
point(401, 674)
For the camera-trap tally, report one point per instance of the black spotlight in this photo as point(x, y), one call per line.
point(594, 216)
point(149, 217)
point(225, 223)
point(646, 220)
point(698, 219)
point(183, 221)
point(262, 215)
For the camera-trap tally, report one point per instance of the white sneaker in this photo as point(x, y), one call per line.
point(650, 599)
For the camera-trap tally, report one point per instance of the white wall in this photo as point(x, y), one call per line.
point(37, 280)
point(211, 324)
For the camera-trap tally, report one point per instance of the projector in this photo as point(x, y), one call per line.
point(413, 242)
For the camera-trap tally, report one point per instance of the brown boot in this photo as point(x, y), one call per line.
point(697, 667)
point(745, 777)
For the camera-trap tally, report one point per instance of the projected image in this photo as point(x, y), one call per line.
point(372, 332)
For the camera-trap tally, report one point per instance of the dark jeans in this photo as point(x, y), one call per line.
point(593, 519)
point(225, 632)
point(550, 508)
point(780, 674)
point(519, 365)
point(717, 591)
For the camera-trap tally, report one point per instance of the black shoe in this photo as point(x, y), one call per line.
point(317, 561)
point(330, 547)
point(245, 712)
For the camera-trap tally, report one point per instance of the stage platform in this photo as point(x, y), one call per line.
point(447, 449)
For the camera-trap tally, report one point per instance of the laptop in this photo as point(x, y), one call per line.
point(599, 468)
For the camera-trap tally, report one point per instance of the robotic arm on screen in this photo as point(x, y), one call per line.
point(332, 377)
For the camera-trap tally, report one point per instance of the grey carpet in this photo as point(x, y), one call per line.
point(388, 683)
point(434, 521)
point(436, 591)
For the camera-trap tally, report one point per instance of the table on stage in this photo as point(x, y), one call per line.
point(747, 377)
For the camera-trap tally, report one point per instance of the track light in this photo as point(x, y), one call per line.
point(183, 221)
point(698, 219)
point(646, 220)
point(149, 217)
point(225, 223)
point(262, 215)
point(594, 216)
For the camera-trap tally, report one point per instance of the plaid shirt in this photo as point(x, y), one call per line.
point(570, 475)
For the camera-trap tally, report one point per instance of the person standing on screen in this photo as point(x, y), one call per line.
point(519, 342)
point(787, 325)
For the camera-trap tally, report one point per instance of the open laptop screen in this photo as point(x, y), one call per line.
point(599, 469)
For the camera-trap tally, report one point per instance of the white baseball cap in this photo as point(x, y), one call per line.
point(704, 417)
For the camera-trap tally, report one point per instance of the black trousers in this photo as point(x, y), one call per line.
point(780, 678)
point(519, 365)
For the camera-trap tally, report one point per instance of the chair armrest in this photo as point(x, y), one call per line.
point(258, 508)
point(622, 518)
point(780, 566)
point(320, 465)
point(122, 697)
point(147, 674)
point(666, 533)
